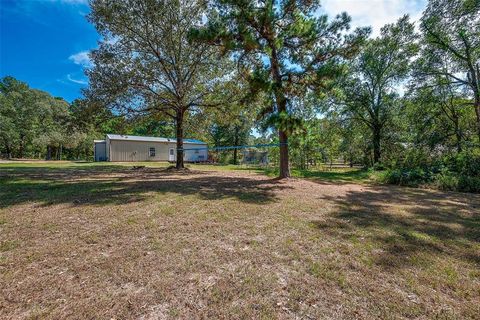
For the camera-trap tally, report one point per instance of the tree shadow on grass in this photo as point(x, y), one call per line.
point(402, 222)
point(119, 185)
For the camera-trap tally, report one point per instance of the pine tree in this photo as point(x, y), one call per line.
point(285, 50)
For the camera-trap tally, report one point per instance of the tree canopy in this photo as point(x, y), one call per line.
point(285, 50)
point(146, 64)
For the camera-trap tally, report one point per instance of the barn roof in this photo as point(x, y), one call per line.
point(150, 139)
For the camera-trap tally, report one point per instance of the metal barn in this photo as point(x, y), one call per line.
point(126, 148)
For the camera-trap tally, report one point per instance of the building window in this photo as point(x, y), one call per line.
point(152, 152)
point(196, 151)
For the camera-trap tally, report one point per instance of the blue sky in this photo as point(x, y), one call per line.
point(41, 43)
point(45, 42)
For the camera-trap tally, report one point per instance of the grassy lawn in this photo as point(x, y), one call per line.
point(101, 240)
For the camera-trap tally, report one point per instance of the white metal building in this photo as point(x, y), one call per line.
point(135, 148)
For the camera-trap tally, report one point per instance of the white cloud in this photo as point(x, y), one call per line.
point(374, 13)
point(81, 58)
point(77, 81)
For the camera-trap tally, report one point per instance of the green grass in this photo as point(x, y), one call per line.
point(331, 175)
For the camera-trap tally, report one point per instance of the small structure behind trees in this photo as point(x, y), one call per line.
point(255, 157)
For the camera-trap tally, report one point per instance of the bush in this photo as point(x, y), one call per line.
point(405, 177)
point(469, 184)
point(391, 176)
point(416, 158)
point(464, 163)
point(455, 172)
point(447, 180)
point(378, 166)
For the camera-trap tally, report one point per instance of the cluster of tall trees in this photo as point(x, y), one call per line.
point(32, 122)
point(438, 70)
point(327, 91)
point(216, 69)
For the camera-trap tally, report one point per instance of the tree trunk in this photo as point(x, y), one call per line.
point(376, 145)
point(179, 122)
point(281, 108)
point(7, 148)
point(49, 153)
point(474, 74)
point(235, 151)
point(458, 134)
point(235, 156)
point(284, 167)
point(477, 112)
point(21, 147)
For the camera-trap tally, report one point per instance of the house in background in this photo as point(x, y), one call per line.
point(126, 148)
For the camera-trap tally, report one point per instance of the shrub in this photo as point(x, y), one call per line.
point(405, 177)
point(469, 184)
point(445, 180)
point(455, 172)
point(414, 177)
point(465, 163)
point(391, 176)
point(416, 158)
point(378, 166)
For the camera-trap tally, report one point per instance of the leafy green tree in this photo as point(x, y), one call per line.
point(53, 118)
point(438, 117)
point(370, 91)
point(231, 129)
point(8, 132)
point(89, 121)
point(284, 49)
point(25, 115)
point(18, 116)
point(451, 47)
point(355, 143)
point(158, 125)
point(146, 64)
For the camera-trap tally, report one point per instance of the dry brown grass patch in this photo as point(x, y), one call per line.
point(155, 244)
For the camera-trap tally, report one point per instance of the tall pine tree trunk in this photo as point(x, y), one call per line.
point(281, 103)
point(284, 166)
point(179, 122)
